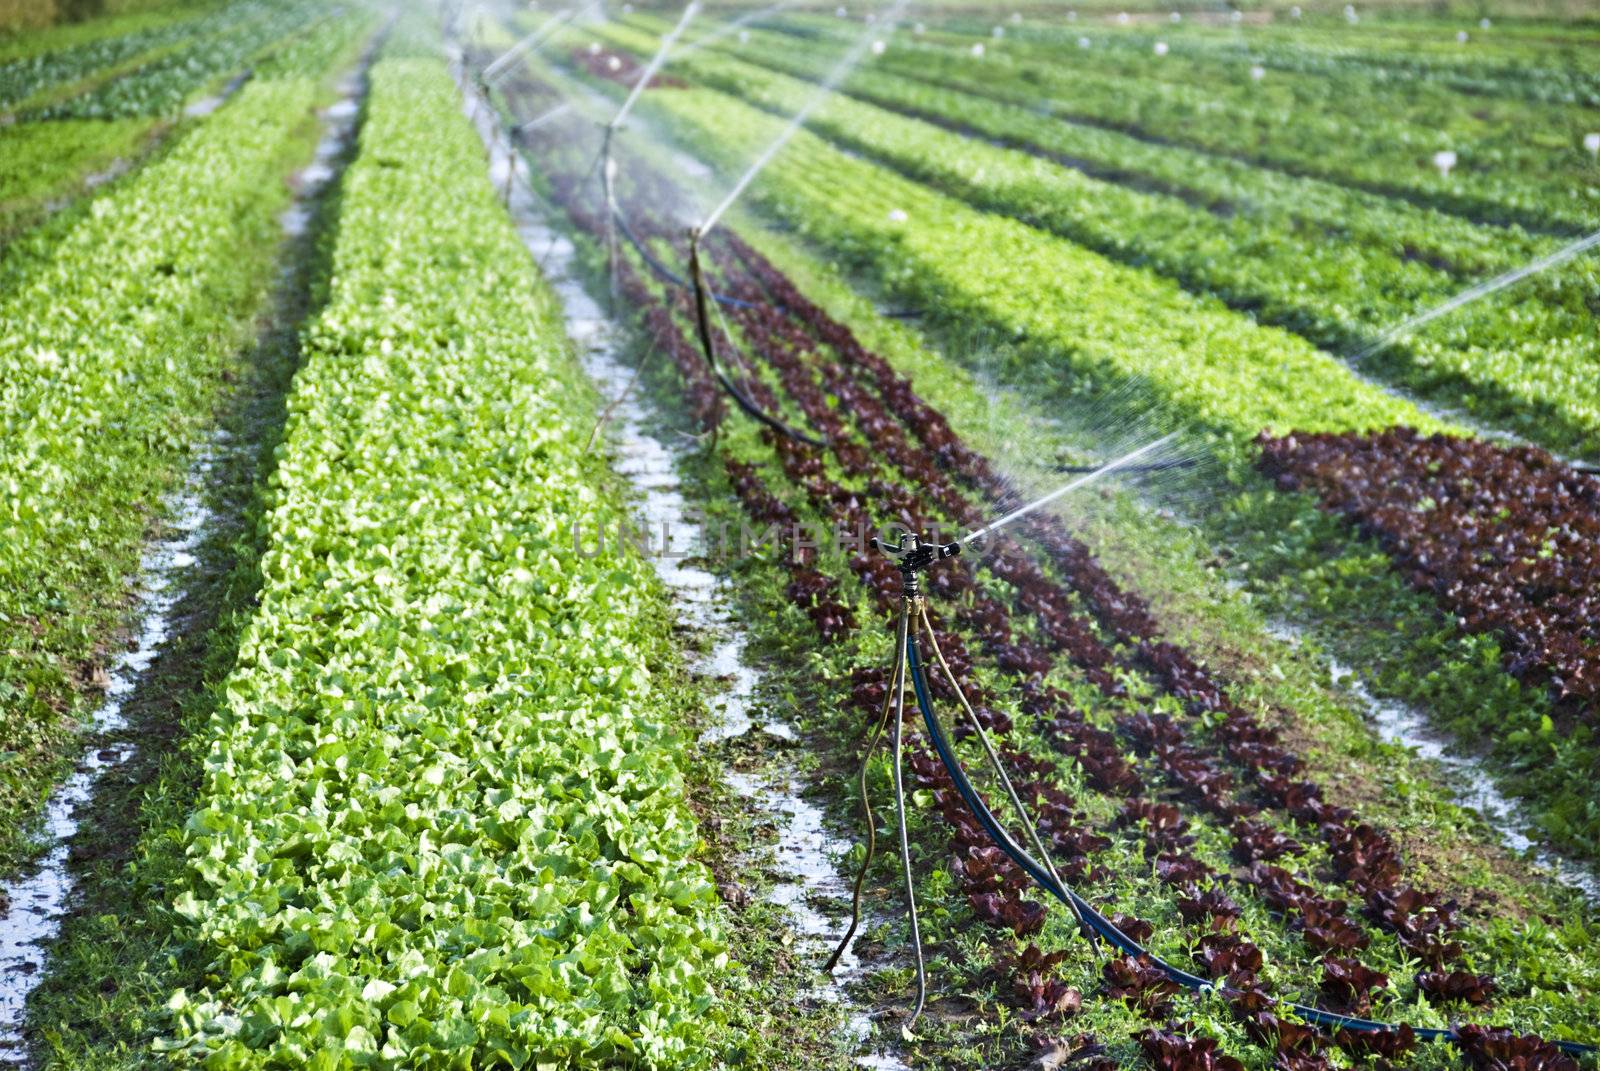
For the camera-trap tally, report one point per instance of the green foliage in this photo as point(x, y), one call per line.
point(61, 58)
point(162, 86)
point(115, 336)
point(441, 823)
point(47, 160)
point(1359, 133)
point(1334, 265)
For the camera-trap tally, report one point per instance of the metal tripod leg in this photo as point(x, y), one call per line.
point(900, 807)
point(608, 183)
point(896, 674)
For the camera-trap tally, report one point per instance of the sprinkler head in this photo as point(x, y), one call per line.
point(911, 556)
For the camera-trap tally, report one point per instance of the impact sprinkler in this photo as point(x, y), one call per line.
point(913, 556)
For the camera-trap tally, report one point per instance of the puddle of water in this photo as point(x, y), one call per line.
point(807, 853)
point(1470, 784)
point(38, 900)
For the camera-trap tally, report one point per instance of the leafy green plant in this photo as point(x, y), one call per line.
point(440, 818)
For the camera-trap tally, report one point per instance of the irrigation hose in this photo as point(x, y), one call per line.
point(703, 324)
point(1102, 925)
point(989, 752)
point(667, 275)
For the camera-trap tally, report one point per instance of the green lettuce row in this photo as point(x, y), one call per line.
point(1102, 326)
point(27, 75)
point(1499, 177)
point(443, 824)
point(1216, 183)
point(1533, 366)
point(117, 331)
point(1427, 65)
point(162, 86)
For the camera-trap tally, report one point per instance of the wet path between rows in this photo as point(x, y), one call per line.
point(808, 852)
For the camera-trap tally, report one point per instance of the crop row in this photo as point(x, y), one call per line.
point(1494, 180)
point(161, 86)
point(1533, 366)
point(1219, 184)
point(1507, 538)
point(882, 443)
point(1037, 291)
point(118, 331)
point(26, 76)
point(1486, 66)
point(442, 820)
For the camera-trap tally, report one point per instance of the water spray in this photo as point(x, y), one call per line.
point(729, 29)
point(1477, 292)
point(822, 91)
point(912, 556)
point(606, 163)
point(497, 69)
point(698, 234)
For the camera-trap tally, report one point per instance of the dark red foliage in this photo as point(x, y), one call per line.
point(1351, 984)
point(1213, 904)
point(1225, 955)
point(1496, 1049)
point(1253, 841)
point(1506, 537)
point(1141, 984)
point(1457, 985)
point(1390, 1044)
point(620, 67)
point(1168, 1051)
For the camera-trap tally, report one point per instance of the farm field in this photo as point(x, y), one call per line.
point(460, 466)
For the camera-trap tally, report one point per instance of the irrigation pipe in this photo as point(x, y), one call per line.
point(1103, 926)
point(708, 347)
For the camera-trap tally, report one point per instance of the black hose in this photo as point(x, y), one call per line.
point(708, 347)
point(668, 275)
point(1102, 925)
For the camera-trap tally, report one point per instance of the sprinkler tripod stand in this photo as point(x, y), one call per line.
point(912, 556)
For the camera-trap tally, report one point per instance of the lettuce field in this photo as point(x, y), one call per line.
point(1047, 535)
